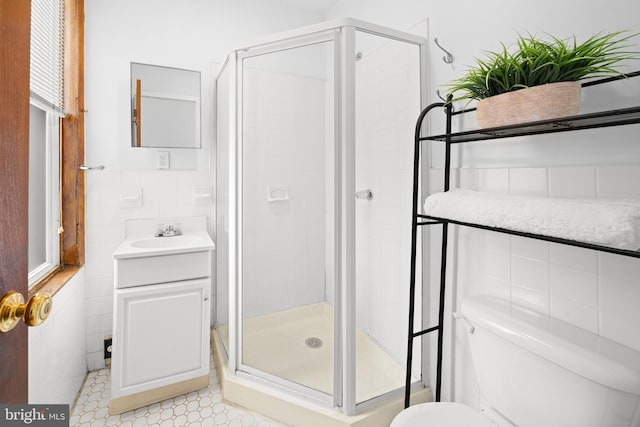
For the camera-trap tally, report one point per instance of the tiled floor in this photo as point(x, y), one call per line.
point(205, 408)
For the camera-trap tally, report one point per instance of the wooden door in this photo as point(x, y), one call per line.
point(15, 22)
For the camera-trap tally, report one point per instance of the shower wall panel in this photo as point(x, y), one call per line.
point(283, 190)
point(387, 102)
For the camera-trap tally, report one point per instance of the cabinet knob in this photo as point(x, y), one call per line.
point(33, 312)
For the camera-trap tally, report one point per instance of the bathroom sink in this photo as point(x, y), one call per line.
point(146, 260)
point(146, 245)
point(166, 242)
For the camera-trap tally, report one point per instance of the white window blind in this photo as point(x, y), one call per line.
point(47, 54)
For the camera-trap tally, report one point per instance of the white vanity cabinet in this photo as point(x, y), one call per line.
point(162, 309)
point(162, 337)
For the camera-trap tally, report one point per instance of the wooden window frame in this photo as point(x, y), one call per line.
point(72, 239)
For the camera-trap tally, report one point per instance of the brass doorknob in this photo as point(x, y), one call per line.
point(33, 312)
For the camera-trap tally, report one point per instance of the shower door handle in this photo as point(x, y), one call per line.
point(364, 194)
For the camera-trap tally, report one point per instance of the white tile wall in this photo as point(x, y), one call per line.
point(494, 180)
point(619, 315)
point(592, 290)
point(595, 291)
point(572, 182)
point(619, 181)
point(283, 241)
point(528, 181)
point(57, 356)
point(164, 194)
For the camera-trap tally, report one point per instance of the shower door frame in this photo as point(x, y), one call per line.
point(342, 34)
point(324, 35)
point(352, 406)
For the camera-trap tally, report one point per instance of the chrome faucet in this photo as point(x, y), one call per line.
point(169, 230)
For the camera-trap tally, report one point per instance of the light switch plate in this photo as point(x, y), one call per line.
point(163, 160)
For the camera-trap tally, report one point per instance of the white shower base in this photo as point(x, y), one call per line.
point(275, 343)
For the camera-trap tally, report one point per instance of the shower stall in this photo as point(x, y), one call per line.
point(314, 131)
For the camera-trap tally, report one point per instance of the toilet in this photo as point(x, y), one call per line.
point(534, 370)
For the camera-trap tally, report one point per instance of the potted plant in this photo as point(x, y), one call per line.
point(540, 79)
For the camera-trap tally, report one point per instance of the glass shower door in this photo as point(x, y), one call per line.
point(387, 101)
point(286, 214)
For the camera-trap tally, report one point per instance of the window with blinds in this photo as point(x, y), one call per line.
point(47, 109)
point(47, 54)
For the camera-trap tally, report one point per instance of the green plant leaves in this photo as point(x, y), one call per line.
point(536, 62)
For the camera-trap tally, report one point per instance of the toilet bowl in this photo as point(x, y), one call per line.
point(441, 415)
point(534, 370)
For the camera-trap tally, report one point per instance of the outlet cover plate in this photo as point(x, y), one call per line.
point(163, 160)
point(107, 347)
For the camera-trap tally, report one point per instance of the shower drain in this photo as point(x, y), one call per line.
point(313, 342)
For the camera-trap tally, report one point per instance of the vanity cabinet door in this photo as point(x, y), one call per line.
point(161, 336)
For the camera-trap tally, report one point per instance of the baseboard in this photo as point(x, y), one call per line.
point(144, 398)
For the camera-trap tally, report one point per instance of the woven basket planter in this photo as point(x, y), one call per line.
point(544, 102)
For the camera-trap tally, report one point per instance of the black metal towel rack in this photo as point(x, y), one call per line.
point(624, 116)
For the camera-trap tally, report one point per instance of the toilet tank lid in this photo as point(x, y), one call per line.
point(578, 350)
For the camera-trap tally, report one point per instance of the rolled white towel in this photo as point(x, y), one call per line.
point(607, 222)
